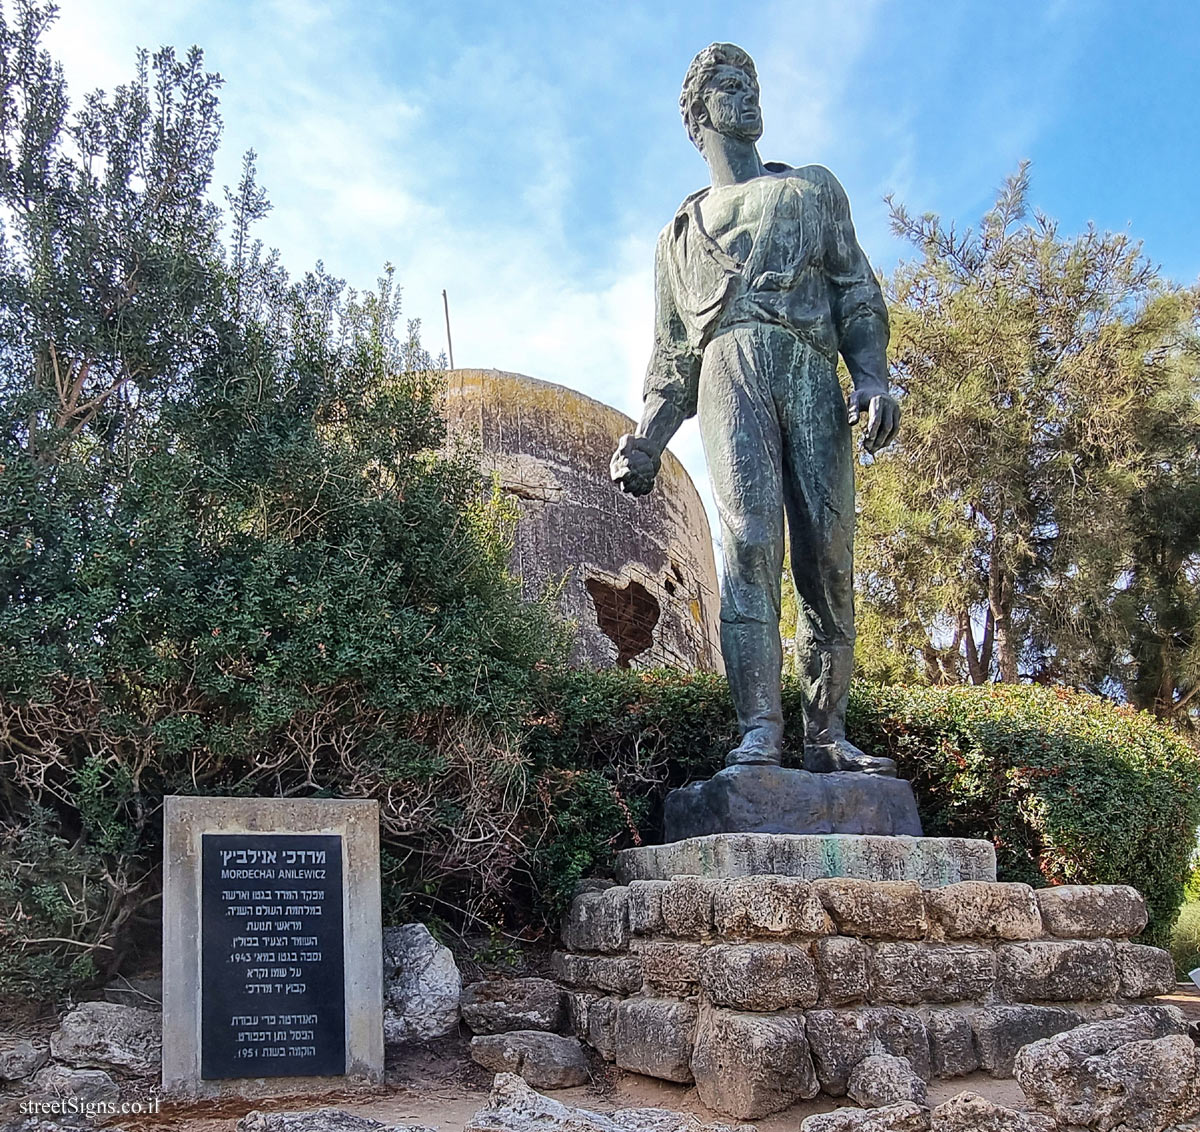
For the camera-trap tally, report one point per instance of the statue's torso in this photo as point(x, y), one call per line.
point(768, 234)
point(735, 216)
point(773, 216)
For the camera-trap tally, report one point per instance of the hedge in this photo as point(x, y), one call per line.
point(487, 829)
point(1071, 788)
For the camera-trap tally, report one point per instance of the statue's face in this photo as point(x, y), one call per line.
point(731, 99)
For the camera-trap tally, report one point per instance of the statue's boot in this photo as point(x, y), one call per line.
point(826, 690)
point(753, 659)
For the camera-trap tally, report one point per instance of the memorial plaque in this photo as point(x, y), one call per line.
point(272, 946)
point(272, 982)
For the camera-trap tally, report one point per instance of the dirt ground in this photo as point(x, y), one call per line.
point(437, 1085)
point(1187, 998)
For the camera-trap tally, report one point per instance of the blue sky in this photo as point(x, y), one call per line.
point(524, 155)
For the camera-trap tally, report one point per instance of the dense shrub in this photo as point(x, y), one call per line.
point(1185, 939)
point(486, 827)
point(1070, 787)
point(237, 553)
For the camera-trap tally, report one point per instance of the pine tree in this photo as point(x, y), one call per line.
point(1034, 522)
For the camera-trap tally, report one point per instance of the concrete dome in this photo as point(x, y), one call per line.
point(641, 582)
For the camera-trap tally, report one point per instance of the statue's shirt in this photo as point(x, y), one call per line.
point(778, 249)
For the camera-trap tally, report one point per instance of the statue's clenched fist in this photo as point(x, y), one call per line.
point(883, 417)
point(634, 464)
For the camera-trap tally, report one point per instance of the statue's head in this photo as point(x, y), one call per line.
point(720, 91)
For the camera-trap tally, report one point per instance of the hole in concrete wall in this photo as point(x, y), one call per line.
point(677, 572)
point(670, 587)
point(626, 616)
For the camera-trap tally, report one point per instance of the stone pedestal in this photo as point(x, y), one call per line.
point(775, 799)
point(778, 965)
point(930, 861)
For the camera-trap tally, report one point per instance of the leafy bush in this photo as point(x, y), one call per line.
point(1071, 788)
point(53, 898)
point(237, 553)
point(480, 830)
point(1185, 939)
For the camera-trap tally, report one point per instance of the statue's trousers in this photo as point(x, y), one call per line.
point(776, 437)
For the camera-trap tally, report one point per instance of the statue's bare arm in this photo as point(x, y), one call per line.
point(672, 378)
point(860, 314)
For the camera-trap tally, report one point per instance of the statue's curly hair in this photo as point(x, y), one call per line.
point(698, 74)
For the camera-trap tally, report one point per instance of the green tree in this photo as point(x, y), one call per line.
point(238, 553)
point(1035, 521)
point(107, 279)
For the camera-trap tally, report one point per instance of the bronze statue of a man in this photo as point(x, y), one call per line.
point(760, 284)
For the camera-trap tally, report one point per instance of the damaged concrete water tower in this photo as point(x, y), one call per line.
point(641, 582)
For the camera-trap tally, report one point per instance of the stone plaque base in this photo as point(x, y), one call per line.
point(774, 799)
point(272, 947)
point(930, 861)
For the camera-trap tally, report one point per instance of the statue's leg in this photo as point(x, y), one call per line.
point(741, 436)
point(818, 489)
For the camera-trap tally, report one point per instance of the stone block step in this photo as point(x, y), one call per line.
point(930, 861)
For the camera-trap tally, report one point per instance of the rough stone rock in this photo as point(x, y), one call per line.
point(841, 963)
point(670, 967)
point(496, 1006)
point(969, 1112)
point(1057, 971)
point(654, 1036)
point(578, 1004)
point(930, 861)
point(687, 906)
point(21, 1059)
point(64, 1122)
point(609, 973)
point(1144, 971)
point(750, 1065)
point(645, 906)
point(1092, 911)
point(907, 1117)
point(952, 1050)
point(759, 976)
point(931, 972)
point(602, 1027)
point(977, 909)
point(1123, 1072)
point(1156, 1080)
point(880, 909)
point(1001, 1031)
point(421, 985)
point(103, 1035)
point(776, 799)
point(746, 907)
point(546, 1061)
point(1165, 1019)
point(839, 1039)
point(598, 921)
point(319, 1120)
point(89, 1085)
point(514, 1107)
point(881, 1079)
